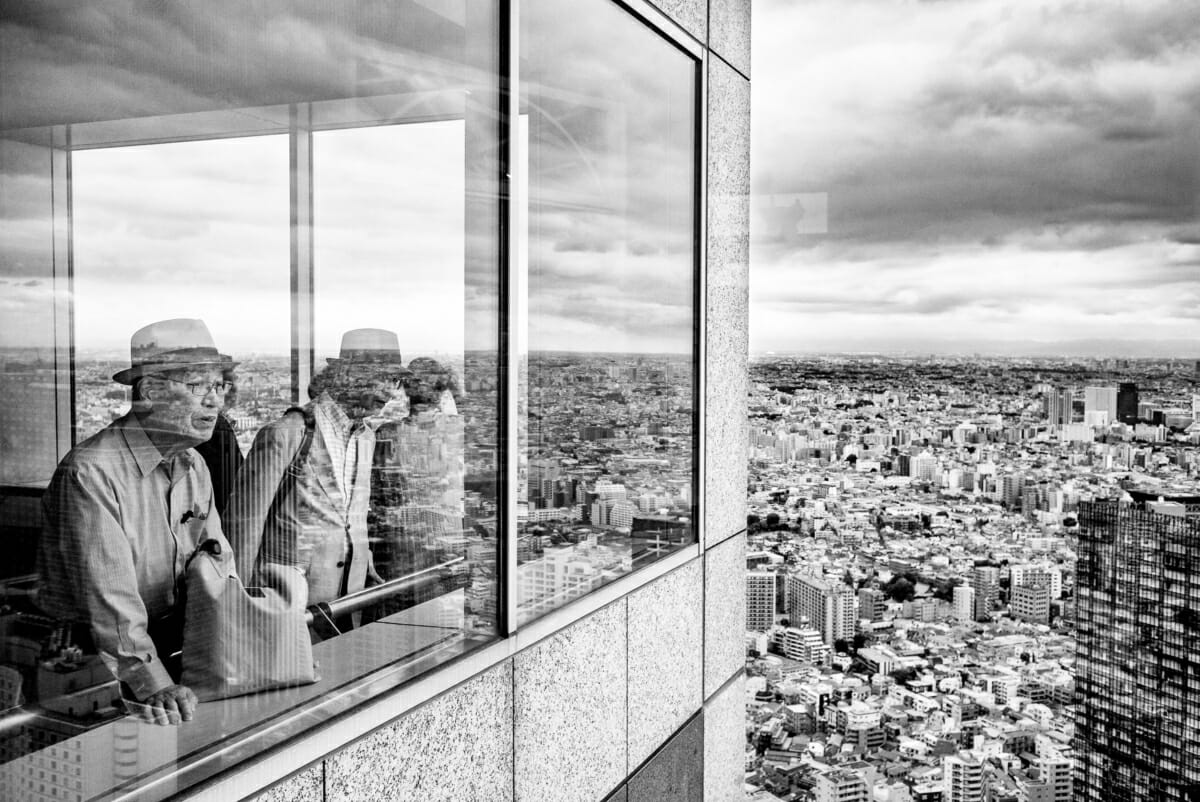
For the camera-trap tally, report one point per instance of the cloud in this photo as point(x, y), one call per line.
point(962, 142)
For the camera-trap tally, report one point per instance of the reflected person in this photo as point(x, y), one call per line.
point(126, 507)
point(300, 502)
point(417, 486)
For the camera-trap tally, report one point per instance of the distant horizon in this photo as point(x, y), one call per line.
point(1185, 350)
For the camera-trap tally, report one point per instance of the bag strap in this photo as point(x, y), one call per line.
point(310, 425)
point(301, 455)
point(288, 479)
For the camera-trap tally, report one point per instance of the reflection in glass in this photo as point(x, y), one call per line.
point(291, 191)
point(196, 229)
point(607, 400)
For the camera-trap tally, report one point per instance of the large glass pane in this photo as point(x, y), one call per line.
point(607, 252)
point(200, 227)
point(249, 272)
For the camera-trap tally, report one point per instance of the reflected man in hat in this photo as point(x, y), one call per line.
point(127, 506)
point(300, 503)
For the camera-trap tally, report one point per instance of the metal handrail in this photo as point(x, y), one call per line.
point(353, 602)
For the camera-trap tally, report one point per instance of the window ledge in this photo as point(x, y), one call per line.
point(249, 763)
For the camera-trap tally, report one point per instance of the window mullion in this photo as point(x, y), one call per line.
point(301, 216)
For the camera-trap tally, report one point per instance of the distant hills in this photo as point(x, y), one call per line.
point(956, 346)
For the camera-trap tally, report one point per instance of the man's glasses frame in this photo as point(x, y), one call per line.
point(201, 389)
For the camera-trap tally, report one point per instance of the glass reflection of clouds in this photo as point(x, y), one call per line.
point(389, 221)
point(184, 229)
point(607, 403)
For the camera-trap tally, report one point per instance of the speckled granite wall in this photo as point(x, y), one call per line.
point(569, 701)
point(729, 32)
point(691, 14)
point(676, 772)
point(724, 612)
point(424, 755)
point(619, 795)
point(666, 681)
point(725, 743)
point(727, 304)
point(307, 786)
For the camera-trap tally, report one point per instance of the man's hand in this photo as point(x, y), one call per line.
point(171, 705)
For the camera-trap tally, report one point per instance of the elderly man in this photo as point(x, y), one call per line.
point(126, 508)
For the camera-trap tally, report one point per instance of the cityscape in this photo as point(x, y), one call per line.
point(972, 578)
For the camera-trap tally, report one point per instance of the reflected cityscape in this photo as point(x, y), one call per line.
point(973, 579)
point(606, 475)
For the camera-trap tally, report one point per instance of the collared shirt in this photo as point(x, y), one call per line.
point(338, 431)
point(120, 522)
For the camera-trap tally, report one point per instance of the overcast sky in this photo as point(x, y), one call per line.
point(976, 175)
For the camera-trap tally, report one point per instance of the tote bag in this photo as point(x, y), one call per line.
point(239, 640)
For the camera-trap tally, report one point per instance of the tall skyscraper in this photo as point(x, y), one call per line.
point(1127, 403)
point(1137, 719)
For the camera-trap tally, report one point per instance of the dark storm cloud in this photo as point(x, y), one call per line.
point(1074, 115)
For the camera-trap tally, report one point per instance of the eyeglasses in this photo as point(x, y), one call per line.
point(202, 389)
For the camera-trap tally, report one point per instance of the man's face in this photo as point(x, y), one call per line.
point(185, 403)
point(373, 401)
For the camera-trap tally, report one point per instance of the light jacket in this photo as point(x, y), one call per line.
point(321, 530)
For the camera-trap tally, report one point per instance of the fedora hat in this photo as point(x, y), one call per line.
point(171, 345)
point(370, 345)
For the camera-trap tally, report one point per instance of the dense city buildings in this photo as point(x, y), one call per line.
point(949, 500)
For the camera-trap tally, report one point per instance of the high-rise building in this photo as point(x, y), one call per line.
point(1127, 403)
point(964, 603)
point(1057, 405)
point(985, 582)
point(923, 467)
point(1011, 485)
point(1100, 399)
point(831, 606)
point(760, 600)
point(1137, 717)
point(962, 778)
